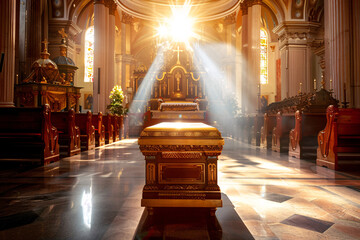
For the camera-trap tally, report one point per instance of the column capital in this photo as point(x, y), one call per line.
point(99, 2)
point(244, 8)
point(297, 33)
point(109, 3)
point(255, 2)
point(230, 19)
point(250, 3)
point(112, 8)
point(126, 18)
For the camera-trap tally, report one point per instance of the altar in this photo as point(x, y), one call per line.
point(181, 165)
point(59, 97)
point(179, 106)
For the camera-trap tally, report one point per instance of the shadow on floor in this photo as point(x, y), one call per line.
point(192, 223)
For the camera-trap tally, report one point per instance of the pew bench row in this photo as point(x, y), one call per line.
point(332, 137)
point(39, 135)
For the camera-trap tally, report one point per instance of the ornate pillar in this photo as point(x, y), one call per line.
point(100, 44)
point(343, 49)
point(244, 53)
point(111, 51)
point(7, 52)
point(295, 41)
point(251, 25)
point(33, 32)
point(254, 53)
point(338, 41)
point(355, 93)
point(126, 57)
point(123, 51)
point(230, 60)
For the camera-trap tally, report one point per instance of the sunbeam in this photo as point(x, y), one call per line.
point(220, 90)
point(143, 93)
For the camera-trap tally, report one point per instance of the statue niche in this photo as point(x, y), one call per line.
point(178, 80)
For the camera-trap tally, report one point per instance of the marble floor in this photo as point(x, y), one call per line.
point(96, 195)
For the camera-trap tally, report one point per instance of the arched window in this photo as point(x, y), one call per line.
point(89, 55)
point(263, 57)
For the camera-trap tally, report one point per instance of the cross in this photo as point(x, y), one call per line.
point(178, 53)
point(62, 33)
point(45, 42)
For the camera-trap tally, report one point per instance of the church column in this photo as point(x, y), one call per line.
point(244, 53)
point(253, 80)
point(229, 22)
point(295, 41)
point(7, 52)
point(123, 52)
point(111, 46)
point(33, 32)
point(126, 57)
point(106, 48)
point(99, 56)
point(355, 93)
point(341, 43)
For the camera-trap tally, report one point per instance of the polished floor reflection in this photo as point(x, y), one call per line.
point(96, 195)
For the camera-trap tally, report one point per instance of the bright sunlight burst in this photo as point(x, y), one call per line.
point(179, 27)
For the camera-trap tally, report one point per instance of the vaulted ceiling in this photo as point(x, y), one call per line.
point(202, 10)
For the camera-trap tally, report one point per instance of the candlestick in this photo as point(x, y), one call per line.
point(345, 103)
point(331, 85)
point(17, 79)
point(300, 87)
point(315, 84)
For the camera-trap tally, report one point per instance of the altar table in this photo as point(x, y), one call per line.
point(179, 106)
point(181, 165)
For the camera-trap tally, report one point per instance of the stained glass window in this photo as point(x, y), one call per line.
point(89, 55)
point(263, 57)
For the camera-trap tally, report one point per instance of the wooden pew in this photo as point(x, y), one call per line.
point(109, 128)
point(266, 130)
point(256, 130)
point(26, 134)
point(69, 133)
point(87, 130)
point(339, 141)
point(115, 120)
point(280, 134)
point(303, 137)
point(97, 121)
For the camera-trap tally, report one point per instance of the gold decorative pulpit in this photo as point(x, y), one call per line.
point(181, 165)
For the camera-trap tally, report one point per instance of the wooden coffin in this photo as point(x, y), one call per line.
point(181, 165)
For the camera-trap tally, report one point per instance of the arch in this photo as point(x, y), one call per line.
point(277, 7)
point(178, 66)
